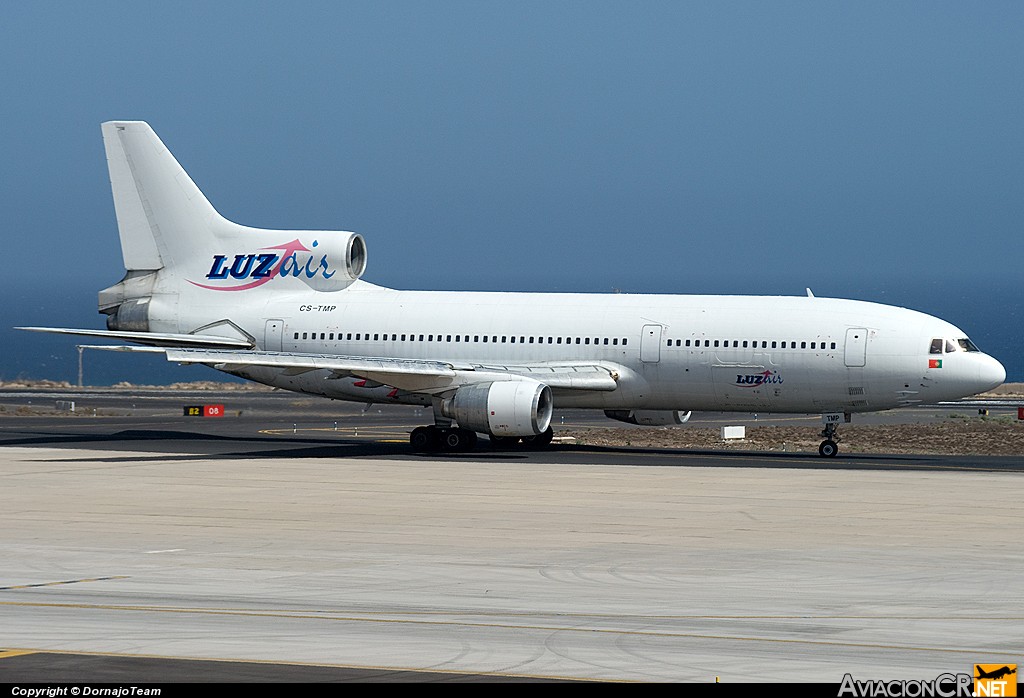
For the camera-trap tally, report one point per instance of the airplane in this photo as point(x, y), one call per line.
point(289, 309)
point(996, 673)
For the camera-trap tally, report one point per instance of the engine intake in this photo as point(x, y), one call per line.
point(502, 408)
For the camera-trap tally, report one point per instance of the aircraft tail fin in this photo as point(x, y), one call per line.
point(173, 240)
point(161, 214)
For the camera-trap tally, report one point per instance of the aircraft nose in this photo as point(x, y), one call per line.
point(991, 374)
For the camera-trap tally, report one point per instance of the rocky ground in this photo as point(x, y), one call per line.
point(997, 436)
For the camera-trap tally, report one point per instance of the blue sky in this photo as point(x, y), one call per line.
point(864, 149)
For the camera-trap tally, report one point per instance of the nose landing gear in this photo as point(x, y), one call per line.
point(829, 447)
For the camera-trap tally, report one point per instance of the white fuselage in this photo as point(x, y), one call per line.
point(671, 352)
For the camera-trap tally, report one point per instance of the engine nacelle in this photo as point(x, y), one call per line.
point(324, 260)
point(649, 418)
point(502, 408)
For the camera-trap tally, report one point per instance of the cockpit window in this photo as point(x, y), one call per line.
point(967, 345)
point(936, 347)
point(950, 346)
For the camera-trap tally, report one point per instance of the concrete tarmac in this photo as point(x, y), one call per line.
point(123, 537)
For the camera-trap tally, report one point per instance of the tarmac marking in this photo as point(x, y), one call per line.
point(69, 581)
point(5, 654)
point(547, 627)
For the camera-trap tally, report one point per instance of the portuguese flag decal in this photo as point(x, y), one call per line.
point(934, 363)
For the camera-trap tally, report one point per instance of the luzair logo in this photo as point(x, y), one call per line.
point(751, 380)
point(253, 270)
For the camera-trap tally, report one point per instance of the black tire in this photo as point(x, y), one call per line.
point(503, 443)
point(423, 440)
point(453, 440)
point(828, 449)
point(468, 439)
point(540, 441)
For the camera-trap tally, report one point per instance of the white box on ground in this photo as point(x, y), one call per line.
point(734, 433)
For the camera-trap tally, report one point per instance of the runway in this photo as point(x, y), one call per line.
point(148, 536)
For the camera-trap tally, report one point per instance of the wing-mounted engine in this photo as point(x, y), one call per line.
point(649, 418)
point(502, 408)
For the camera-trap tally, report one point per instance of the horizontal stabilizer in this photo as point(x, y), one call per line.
point(154, 339)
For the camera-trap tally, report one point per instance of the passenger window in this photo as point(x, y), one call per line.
point(577, 340)
point(588, 341)
point(624, 340)
point(449, 338)
point(615, 341)
point(803, 345)
point(936, 347)
point(744, 344)
point(606, 342)
point(716, 342)
point(833, 345)
point(559, 341)
point(296, 335)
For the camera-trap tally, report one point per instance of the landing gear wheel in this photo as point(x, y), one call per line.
point(458, 440)
point(423, 440)
point(503, 442)
point(828, 448)
point(540, 441)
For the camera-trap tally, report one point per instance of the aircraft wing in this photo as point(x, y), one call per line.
point(414, 375)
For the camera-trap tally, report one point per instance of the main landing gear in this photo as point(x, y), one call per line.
point(433, 439)
point(530, 443)
point(829, 447)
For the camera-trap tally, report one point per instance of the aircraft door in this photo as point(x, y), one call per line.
point(650, 344)
point(273, 334)
point(856, 346)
